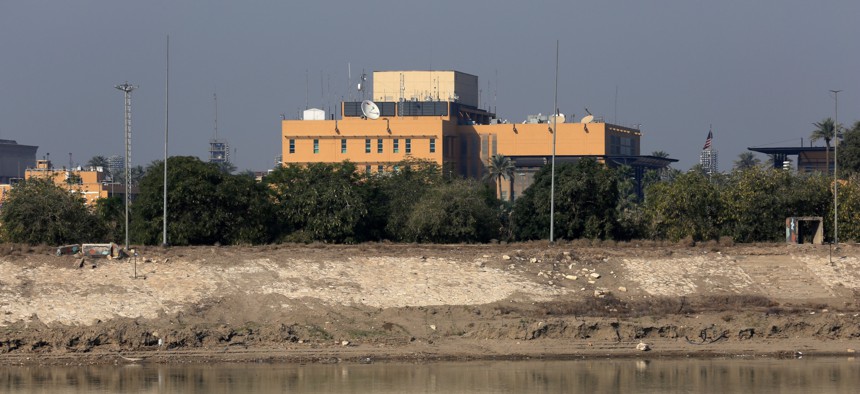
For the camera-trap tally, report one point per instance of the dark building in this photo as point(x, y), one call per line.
point(15, 159)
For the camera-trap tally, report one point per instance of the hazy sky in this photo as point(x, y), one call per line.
point(758, 71)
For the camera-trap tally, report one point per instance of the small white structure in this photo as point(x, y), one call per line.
point(313, 114)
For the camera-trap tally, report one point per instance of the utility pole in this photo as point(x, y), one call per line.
point(835, 167)
point(127, 88)
point(166, 127)
point(552, 169)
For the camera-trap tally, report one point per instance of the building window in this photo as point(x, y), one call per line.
point(432, 145)
point(408, 145)
point(292, 146)
point(343, 145)
point(367, 169)
point(380, 169)
point(379, 145)
point(396, 168)
point(396, 146)
point(316, 146)
point(367, 145)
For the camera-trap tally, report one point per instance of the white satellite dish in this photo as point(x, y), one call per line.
point(587, 119)
point(369, 109)
point(558, 118)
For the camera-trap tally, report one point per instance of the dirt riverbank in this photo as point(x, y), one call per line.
point(374, 302)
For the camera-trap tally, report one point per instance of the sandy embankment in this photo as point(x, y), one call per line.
point(324, 303)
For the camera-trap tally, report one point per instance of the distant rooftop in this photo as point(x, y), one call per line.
point(787, 150)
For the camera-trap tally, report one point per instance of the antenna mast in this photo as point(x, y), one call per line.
point(215, 98)
point(127, 89)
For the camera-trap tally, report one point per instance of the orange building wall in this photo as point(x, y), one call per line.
point(91, 186)
point(355, 131)
point(536, 139)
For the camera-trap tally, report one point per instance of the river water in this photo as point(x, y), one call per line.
point(817, 375)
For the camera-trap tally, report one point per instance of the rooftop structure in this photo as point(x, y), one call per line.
point(809, 158)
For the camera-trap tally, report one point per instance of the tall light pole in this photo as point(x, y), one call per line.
point(166, 127)
point(127, 88)
point(552, 168)
point(835, 167)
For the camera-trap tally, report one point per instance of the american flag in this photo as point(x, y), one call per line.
point(708, 141)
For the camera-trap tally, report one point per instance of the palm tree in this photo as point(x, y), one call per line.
point(660, 153)
point(99, 161)
point(746, 161)
point(824, 130)
point(499, 167)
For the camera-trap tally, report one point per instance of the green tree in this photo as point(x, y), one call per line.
point(660, 153)
point(99, 161)
point(111, 213)
point(136, 175)
point(746, 160)
point(849, 209)
point(499, 167)
point(204, 205)
point(392, 196)
point(457, 211)
point(227, 167)
point(688, 206)
point(36, 211)
point(849, 151)
point(824, 130)
point(585, 203)
point(755, 202)
point(320, 201)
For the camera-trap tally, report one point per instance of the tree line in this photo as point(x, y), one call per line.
point(417, 203)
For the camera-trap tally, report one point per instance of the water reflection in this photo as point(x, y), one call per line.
point(585, 376)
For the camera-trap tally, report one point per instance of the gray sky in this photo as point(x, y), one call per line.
point(758, 71)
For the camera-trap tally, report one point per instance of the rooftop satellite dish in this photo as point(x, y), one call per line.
point(369, 109)
point(558, 118)
point(587, 119)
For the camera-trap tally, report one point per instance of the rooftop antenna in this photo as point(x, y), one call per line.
point(369, 109)
point(362, 84)
point(402, 93)
point(215, 98)
point(307, 88)
point(615, 117)
point(496, 90)
point(349, 80)
point(586, 120)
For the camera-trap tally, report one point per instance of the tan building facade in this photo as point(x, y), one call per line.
point(90, 184)
point(451, 131)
